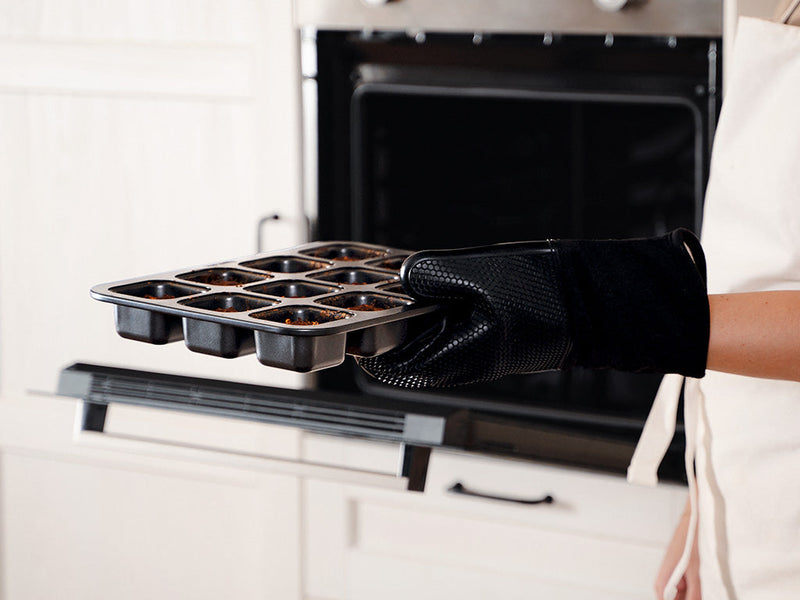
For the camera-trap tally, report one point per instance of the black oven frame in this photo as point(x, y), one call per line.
point(354, 65)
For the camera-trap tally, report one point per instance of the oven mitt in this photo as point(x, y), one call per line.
point(636, 305)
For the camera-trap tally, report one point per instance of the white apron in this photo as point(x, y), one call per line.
point(743, 433)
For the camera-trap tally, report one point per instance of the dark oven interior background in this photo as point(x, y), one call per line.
point(454, 141)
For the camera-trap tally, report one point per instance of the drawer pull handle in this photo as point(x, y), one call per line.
point(460, 488)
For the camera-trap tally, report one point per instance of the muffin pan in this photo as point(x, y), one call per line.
point(301, 309)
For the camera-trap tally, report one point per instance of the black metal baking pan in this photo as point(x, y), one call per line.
point(302, 308)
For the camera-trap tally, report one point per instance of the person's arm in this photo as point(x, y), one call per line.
point(756, 334)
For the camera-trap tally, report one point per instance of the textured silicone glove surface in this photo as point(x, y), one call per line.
point(634, 305)
point(497, 301)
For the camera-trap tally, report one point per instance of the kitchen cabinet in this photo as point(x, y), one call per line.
point(166, 504)
point(212, 514)
point(137, 137)
point(600, 538)
point(162, 504)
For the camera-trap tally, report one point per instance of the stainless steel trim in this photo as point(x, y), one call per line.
point(423, 429)
point(643, 17)
point(309, 100)
point(712, 93)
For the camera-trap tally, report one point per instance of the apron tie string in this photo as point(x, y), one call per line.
point(657, 434)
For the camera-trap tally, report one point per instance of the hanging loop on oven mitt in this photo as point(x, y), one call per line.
point(636, 305)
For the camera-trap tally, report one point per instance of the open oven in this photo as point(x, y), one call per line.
point(454, 136)
point(448, 124)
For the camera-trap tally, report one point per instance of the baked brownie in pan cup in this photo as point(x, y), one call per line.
point(302, 308)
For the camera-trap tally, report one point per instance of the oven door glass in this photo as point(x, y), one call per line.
point(448, 170)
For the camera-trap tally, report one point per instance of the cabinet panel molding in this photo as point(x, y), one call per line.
point(133, 20)
point(112, 532)
point(213, 72)
point(601, 538)
point(374, 576)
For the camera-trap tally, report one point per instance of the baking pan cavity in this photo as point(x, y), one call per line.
point(346, 252)
point(393, 288)
point(221, 276)
point(292, 289)
point(393, 263)
point(228, 303)
point(364, 302)
point(149, 326)
point(303, 308)
point(158, 290)
point(286, 264)
point(218, 338)
point(301, 316)
point(355, 276)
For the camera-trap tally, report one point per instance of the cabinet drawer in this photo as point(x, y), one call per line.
point(584, 502)
point(378, 576)
point(599, 534)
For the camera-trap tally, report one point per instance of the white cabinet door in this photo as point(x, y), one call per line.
point(136, 137)
point(83, 523)
point(600, 538)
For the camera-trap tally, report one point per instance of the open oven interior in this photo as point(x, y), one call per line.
point(447, 171)
point(454, 141)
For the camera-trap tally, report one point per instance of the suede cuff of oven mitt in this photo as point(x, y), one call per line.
point(637, 305)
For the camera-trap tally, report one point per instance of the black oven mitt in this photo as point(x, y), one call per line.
point(635, 305)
